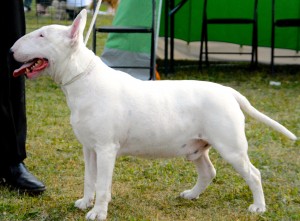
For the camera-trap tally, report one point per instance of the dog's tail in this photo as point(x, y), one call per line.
point(248, 108)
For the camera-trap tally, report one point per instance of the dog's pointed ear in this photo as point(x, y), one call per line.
point(77, 28)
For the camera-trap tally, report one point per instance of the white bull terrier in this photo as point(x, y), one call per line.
point(114, 114)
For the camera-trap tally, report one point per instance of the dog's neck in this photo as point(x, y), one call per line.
point(75, 67)
point(86, 71)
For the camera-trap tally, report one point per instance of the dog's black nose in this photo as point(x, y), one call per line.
point(10, 55)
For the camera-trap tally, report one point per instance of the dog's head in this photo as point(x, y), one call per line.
point(48, 49)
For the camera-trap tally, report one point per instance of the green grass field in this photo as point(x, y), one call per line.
point(149, 189)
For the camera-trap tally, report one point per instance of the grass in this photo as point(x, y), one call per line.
point(148, 189)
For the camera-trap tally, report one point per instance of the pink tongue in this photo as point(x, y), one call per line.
point(22, 69)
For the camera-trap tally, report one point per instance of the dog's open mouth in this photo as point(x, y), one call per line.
point(32, 68)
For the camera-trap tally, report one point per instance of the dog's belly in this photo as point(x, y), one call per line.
point(167, 151)
point(191, 148)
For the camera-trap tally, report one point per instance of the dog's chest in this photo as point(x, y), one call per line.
point(84, 118)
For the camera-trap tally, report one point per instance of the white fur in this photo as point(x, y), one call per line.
point(114, 114)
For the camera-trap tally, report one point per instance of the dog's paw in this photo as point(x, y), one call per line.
point(84, 203)
point(257, 208)
point(96, 214)
point(189, 194)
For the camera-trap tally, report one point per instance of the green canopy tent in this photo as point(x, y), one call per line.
point(188, 22)
point(132, 49)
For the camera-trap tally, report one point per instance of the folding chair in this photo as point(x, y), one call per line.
point(120, 30)
point(207, 20)
point(280, 23)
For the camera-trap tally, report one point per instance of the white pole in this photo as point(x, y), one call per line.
point(92, 22)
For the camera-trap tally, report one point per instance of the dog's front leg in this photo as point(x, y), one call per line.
point(89, 179)
point(106, 158)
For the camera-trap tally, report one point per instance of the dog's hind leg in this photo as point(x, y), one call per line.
point(237, 156)
point(206, 173)
point(106, 157)
point(89, 179)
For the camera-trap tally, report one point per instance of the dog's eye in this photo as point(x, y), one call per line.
point(41, 35)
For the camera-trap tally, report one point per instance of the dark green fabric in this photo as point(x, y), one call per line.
point(131, 13)
point(188, 22)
